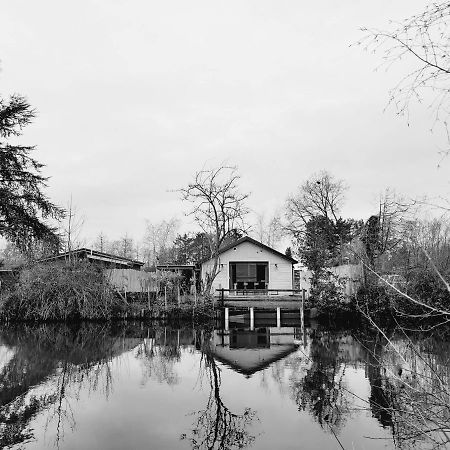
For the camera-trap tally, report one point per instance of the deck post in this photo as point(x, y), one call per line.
point(302, 312)
point(278, 317)
point(222, 297)
point(227, 319)
point(302, 317)
point(252, 319)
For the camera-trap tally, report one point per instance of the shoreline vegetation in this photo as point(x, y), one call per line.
point(80, 291)
point(77, 291)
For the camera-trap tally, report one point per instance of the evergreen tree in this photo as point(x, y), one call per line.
point(24, 208)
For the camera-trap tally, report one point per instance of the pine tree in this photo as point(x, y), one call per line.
point(24, 208)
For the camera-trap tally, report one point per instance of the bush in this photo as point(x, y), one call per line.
point(60, 291)
point(375, 299)
point(328, 295)
point(425, 286)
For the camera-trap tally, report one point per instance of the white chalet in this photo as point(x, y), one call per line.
point(247, 264)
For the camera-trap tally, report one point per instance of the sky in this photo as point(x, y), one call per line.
point(133, 97)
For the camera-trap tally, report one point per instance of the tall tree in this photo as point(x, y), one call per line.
point(191, 248)
point(320, 195)
point(322, 243)
point(218, 208)
point(387, 230)
point(72, 229)
point(24, 208)
point(315, 208)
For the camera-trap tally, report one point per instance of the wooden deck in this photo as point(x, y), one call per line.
point(282, 301)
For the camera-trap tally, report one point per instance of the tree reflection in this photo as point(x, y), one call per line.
point(216, 427)
point(382, 398)
point(58, 359)
point(159, 353)
point(15, 418)
point(320, 390)
point(410, 380)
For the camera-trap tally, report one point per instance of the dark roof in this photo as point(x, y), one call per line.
point(94, 254)
point(175, 266)
point(255, 242)
point(285, 350)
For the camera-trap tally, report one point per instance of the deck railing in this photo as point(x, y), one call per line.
point(259, 292)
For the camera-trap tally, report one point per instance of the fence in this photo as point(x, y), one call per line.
point(132, 281)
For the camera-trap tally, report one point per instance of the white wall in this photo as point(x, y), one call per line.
point(352, 273)
point(280, 277)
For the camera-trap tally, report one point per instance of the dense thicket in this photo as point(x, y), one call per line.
point(60, 291)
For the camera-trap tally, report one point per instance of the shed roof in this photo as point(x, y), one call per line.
point(254, 242)
point(95, 254)
point(175, 267)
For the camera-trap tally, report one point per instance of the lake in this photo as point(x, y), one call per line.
point(141, 386)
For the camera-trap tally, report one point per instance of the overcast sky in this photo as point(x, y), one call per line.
point(134, 96)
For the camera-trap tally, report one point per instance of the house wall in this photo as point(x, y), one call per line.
point(351, 273)
point(280, 277)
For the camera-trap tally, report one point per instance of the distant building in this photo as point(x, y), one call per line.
point(103, 259)
point(247, 264)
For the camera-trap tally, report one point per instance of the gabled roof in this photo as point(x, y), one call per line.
point(95, 254)
point(265, 357)
point(254, 242)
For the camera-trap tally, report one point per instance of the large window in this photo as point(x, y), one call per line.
point(246, 271)
point(249, 275)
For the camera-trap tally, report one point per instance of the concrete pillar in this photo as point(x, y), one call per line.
point(227, 319)
point(278, 317)
point(252, 319)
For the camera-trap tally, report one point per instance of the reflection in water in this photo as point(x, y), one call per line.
point(410, 380)
point(223, 376)
point(70, 358)
point(159, 353)
point(216, 427)
point(320, 390)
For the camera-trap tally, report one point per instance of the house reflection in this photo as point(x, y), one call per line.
point(249, 351)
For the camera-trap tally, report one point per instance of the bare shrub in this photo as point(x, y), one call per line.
point(60, 291)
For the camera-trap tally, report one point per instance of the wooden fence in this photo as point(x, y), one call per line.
point(129, 280)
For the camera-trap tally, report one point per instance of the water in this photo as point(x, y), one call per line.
point(134, 386)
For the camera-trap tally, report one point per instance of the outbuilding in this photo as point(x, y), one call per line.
point(104, 260)
point(247, 265)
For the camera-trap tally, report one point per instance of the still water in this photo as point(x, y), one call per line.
point(135, 386)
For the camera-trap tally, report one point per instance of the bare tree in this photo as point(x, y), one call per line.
point(218, 208)
point(421, 42)
point(269, 230)
point(157, 239)
point(321, 195)
point(101, 242)
point(72, 229)
point(127, 249)
point(386, 231)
